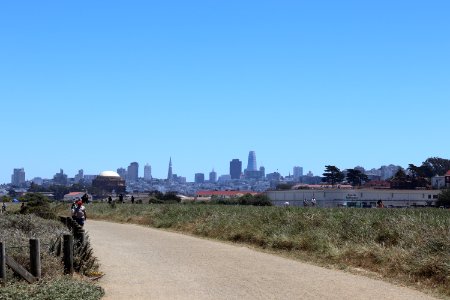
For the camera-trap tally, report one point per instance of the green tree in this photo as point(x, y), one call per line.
point(356, 177)
point(332, 175)
point(420, 176)
point(444, 198)
point(401, 180)
point(438, 166)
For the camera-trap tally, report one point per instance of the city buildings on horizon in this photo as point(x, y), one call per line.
point(236, 173)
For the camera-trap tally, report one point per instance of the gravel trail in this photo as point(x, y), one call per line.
point(146, 263)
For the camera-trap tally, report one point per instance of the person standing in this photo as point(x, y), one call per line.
point(79, 213)
point(132, 199)
point(85, 198)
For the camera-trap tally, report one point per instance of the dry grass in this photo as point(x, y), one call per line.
point(406, 245)
point(15, 232)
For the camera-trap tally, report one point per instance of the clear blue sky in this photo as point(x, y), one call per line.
point(95, 85)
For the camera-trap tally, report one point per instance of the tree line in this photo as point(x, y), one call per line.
point(411, 178)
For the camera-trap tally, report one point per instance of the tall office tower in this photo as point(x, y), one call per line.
point(79, 176)
point(199, 178)
point(18, 177)
point(262, 171)
point(251, 166)
point(133, 171)
point(60, 178)
point(298, 172)
point(148, 172)
point(212, 176)
point(169, 172)
point(122, 173)
point(235, 169)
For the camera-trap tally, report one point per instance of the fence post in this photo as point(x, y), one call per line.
point(2, 262)
point(35, 258)
point(68, 254)
point(69, 222)
point(81, 235)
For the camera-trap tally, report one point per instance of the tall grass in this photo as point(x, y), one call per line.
point(409, 245)
point(15, 232)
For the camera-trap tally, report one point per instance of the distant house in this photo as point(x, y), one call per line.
point(438, 182)
point(447, 179)
point(75, 196)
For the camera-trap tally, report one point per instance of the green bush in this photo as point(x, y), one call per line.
point(37, 204)
point(444, 199)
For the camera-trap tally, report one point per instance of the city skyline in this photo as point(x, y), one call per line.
point(138, 173)
point(95, 86)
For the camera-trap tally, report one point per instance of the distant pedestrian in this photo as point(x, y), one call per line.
point(22, 208)
point(72, 207)
point(85, 198)
point(79, 213)
point(305, 202)
point(121, 198)
point(132, 199)
point(4, 207)
point(109, 200)
point(313, 201)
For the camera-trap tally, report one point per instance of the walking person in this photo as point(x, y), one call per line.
point(4, 207)
point(79, 213)
point(132, 199)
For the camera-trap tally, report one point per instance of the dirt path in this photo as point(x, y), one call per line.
point(145, 263)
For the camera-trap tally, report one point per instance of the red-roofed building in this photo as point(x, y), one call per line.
point(224, 194)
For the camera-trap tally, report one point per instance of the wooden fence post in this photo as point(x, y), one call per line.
point(81, 235)
point(68, 254)
point(2, 262)
point(35, 258)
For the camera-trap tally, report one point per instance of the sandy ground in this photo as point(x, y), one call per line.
point(145, 263)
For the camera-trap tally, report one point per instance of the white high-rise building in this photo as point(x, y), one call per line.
point(298, 172)
point(147, 172)
point(18, 177)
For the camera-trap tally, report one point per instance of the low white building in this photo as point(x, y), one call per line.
point(355, 197)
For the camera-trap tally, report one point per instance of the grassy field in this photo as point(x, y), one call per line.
point(15, 232)
point(410, 246)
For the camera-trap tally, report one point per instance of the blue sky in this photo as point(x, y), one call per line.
point(95, 86)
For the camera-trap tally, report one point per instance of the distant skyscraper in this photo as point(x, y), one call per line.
point(79, 176)
point(133, 171)
point(235, 169)
point(147, 172)
point(251, 166)
point(298, 172)
point(122, 173)
point(169, 173)
point(60, 178)
point(199, 178)
point(212, 176)
point(18, 177)
point(262, 170)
